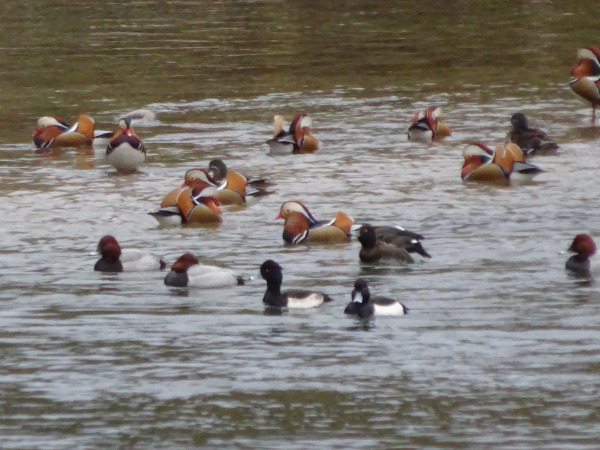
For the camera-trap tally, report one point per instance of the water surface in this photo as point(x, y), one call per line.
point(500, 349)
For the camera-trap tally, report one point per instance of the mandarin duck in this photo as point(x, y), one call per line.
point(428, 125)
point(363, 305)
point(193, 204)
point(271, 273)
point(301, 226)
point(125, 150)
point(297, 139)
point(52, 132)
point(585, 77)
point(506, 162)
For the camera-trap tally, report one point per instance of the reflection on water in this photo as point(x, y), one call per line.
point(500, 346)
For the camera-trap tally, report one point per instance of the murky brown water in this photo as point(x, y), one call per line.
point(500, 349)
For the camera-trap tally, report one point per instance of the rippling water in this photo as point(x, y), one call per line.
point(500, 349)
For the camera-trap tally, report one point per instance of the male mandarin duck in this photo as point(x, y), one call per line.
point(580, 263)
point(301, 226)
point(428, 125)
point(585, 77)
point(115, 259)
point(387, 242)
point(52, 132)
point(271, 273)
point(298, 139)
point(530, 140)
point(363, 305)
point(188, 272)
point(481, 163)
point(125, 150)
point(233, 186)
point(189, 178)
point(195, 203)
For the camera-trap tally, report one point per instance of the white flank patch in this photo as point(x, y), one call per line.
point(135, 260)
point(280, 148)
point(394, 309)
point(419, 135)
point(209, 277)
point(312, 301)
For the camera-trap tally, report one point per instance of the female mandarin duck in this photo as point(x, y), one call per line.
point(115, 259)
point(301, 226)
point(483, 164)
point(363, 305)
point(428, 125)
point(530, 140)
point(584, 247)
point(585, 77)
point(298, 139)
point(125, 151)
point(52, 132)
point(188, 272)
point(271, 273)
point(196, 203)
point(386, 242)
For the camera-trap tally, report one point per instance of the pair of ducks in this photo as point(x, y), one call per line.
point(185, 271)
point(362, 304)
point(125, 151)
point(203, 191)
point(507, 162)
point(377, 242)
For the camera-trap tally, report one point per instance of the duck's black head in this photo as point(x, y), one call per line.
point(519, 121)
point(271, 272)
point(366, 235)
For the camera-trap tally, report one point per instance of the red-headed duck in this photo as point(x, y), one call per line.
point(584, 247)
point(271, 273)
point(301, 226)
point(428, 125)
point(188, 272)
point(363, 305)
point(585, 77)
point(125, 150)
point(115, 259)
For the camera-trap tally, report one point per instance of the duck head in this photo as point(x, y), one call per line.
point(109, 248)
point(125, 126)
point(217, 170)
point(583, 245)
point(271, 272)
point(184, 262)
point(294, 206)
point(193, 175)
point(519, 122)
point(361, 293)
point(367, 236)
